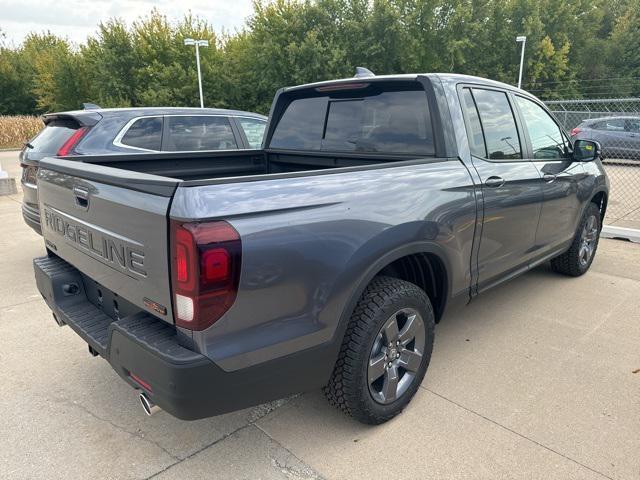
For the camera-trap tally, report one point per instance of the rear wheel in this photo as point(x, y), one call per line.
point(385, 352)
point(577, 260)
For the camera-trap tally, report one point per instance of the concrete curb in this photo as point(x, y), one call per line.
point(631, 234)
point(8, 186)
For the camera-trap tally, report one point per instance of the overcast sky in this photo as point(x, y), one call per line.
point(76, 20)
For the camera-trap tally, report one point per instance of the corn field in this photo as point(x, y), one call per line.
point(17, 129)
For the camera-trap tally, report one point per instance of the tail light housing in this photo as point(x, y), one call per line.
point(29, 174)
point(575, 131)
point(68, 146)
point(205, 271)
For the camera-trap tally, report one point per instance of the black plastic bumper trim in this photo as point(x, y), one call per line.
point(185, 383)
point(32, 218)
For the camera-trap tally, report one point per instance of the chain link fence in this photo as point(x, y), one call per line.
point(615, 124)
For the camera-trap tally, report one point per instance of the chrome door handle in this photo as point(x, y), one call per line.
point(494, 182)
point(549, 177)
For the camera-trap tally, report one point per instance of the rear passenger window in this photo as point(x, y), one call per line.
point(369, 120)
point(193, 133)
point(144, 133)
point(253, 129)
point(474, 128)
point(616, 125)
point(499, 125)
point(632, 126)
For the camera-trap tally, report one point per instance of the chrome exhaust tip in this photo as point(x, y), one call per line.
point(148, 406)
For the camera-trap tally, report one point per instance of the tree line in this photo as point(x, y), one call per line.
point(575, 48)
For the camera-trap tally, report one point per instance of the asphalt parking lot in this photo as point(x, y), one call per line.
point(539, 378)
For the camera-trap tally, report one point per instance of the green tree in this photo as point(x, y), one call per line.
point(56, 73)
point(570, 46)
point(16, 79)
point(111, 64)
point(625, 48)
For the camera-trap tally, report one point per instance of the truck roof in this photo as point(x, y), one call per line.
point(456, 77)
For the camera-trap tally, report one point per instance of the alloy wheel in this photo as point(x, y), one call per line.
point(588, 240)
point(396, 355)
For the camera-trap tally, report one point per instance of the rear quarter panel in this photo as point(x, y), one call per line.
point(308, 243)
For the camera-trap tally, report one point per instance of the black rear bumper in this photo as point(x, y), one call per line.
point(183, 382)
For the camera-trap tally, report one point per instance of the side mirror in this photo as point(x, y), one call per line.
point(586, 150)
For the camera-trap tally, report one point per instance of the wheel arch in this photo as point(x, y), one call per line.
point(600, 198)
point(427, 271)
point(406, 262)
point(391, 262)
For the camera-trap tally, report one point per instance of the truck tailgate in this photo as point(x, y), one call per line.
point(112, 225)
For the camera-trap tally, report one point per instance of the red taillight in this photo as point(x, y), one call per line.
point(72, 141)
point(184, 250)
point(215, 265)
point(575, 132)
point(205, 271)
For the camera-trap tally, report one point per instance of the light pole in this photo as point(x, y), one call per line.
point(198, 44)
point(522, 39)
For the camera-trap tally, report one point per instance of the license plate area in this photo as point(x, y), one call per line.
point(110, 303)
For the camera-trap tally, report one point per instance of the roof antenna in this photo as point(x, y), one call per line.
point(90, 106)
point(362, 72)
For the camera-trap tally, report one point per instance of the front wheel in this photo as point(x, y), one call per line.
point(577, 260)
point(385, 352)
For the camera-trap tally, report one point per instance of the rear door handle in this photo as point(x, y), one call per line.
point(494, 182)
point(549, 177)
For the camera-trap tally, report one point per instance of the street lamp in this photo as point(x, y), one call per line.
point(198, 44)
point(522, 39)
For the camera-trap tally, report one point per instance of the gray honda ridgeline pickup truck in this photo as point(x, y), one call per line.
point(323, 259)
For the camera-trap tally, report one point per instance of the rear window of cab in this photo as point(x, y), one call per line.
point(374, 118)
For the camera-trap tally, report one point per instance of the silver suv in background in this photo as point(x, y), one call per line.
point(618, 136)
point(118, 131)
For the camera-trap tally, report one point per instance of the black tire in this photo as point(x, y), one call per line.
point(365, 343)
point(573, 262)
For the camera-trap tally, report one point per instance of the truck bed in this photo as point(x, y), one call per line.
point(214, 165)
